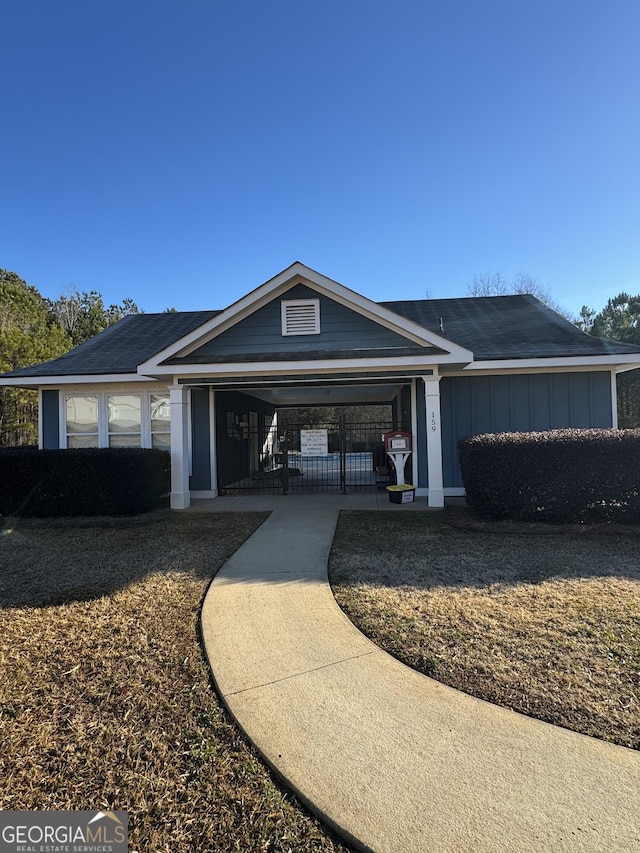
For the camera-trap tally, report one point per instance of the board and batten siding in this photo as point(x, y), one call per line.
point(50, 417)
point(232, 453)
point(472, 405)
point(340, 328)
point(200, 479)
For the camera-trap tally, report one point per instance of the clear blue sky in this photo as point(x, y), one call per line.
point(181, 153)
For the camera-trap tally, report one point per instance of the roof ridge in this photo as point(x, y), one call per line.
point(455, 299)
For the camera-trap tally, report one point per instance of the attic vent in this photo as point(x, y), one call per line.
point(300, 317)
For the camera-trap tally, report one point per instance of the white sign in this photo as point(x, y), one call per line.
point(314, 442)
point(399, 444)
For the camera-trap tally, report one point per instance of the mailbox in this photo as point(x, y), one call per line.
point(397, 442)
point(397, 445)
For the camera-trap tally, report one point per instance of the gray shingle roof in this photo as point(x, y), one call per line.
point(492, 327)
point(497, 327)
point(121, 347)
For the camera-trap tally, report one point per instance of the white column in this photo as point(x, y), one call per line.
point(434, 439)
point(41, 420)
point(180, 498)
point(614, 400)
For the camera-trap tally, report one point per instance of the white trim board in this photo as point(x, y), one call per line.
point(262, 368)
point(545, 363)
point(75, 379)
point(270, 290)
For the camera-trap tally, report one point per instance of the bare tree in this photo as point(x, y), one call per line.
point(494, 284)
point(68, 311)
point(489, 284)
point(83, 315)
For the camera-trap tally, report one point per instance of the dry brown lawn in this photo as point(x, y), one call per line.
point(545, 621)
point(105, 697)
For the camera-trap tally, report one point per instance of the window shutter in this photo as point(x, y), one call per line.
point(301, 317)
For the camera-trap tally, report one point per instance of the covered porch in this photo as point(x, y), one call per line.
point(227, 436)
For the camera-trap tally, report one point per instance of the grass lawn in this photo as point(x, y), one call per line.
point(105, 698)
point(545, 621)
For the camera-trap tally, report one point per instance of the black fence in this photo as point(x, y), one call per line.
point(284, 457)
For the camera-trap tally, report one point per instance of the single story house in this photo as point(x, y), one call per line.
point(209, 384)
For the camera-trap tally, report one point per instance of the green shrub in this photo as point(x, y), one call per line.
point(87, 481)
point(566, 475)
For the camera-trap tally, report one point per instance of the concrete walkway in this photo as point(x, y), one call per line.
point(393, 760)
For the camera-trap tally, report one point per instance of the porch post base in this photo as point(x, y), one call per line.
point(180, 500)
point(436, 497)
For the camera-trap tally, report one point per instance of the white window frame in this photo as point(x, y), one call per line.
point(103, 411)
point(152, 431)
point(65, 432)
point(287, 304)
point(139, 433)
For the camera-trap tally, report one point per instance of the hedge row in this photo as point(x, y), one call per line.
point(87, 481)
point(562, 475)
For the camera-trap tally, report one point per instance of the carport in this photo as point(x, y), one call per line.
point(243, 438)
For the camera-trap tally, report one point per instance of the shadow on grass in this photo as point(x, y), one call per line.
point(48, 562)
point(455, 549)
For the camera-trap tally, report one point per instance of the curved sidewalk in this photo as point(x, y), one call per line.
point(393, 760)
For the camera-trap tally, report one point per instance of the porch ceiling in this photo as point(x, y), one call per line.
point(322, 395)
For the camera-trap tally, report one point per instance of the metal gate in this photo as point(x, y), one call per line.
point(336, 456)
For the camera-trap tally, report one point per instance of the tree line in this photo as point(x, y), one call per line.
point(619, 320)
point(35, 329)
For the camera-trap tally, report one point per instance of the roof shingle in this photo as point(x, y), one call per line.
point(121, 347)
point(500, 327)
point(492, 327)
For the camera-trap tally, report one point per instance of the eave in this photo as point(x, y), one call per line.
point(72, 379)
point(304, 366)
point(298, 273)
point(619, 362)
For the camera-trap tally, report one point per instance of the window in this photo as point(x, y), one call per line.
point(82, 421)
point(300, 316)
point(125, 421)
point(118, 419)
point(160, 421)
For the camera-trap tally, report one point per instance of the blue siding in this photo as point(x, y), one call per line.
point(234, 459)
point(50, 416)
point(472, 405)
point(340, 327)
point(404, 417)
point(200, 479)
point(421, 438)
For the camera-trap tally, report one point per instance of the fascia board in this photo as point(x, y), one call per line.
point(632, 359)
point(623, 368)
point(237, 311)
point(259, 297)
point(584, 368)
point(378, 314)
point(407, 328)
point(40, 381)
point(327, 366)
